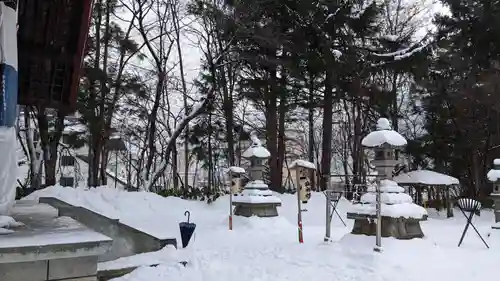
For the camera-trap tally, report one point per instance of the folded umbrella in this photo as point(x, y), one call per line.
point(187, 230)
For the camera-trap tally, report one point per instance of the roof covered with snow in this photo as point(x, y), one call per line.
point(302, 164)
point(384, 135)
point(493, 175)
point(236, 170)
point(426, 177)
point(256, 150)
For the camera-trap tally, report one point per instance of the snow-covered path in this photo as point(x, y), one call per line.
point(267, 249)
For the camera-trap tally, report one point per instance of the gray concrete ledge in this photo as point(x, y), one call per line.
point(45, 236)
point(127, 240)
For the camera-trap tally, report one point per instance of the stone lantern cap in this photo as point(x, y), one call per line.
point(384, 136)
point(234, 170)
point(256, 150)
point(297, 164)
point(494, 174)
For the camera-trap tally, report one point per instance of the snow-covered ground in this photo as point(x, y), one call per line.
point(262, 249)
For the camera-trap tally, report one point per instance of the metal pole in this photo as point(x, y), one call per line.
point(378, 239)
point(116, 167)
point(299, 207)
point(230, 202)
point(328, 211)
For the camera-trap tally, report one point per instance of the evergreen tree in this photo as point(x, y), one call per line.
point(460, 104)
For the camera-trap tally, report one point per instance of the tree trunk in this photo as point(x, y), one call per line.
point(272, 136)
point(281, 132)
point(175, 169)
point(210, 157)
point(327, 131)
point(93, 128)
point(176, 23)
point(152, 127)
point(49, 144)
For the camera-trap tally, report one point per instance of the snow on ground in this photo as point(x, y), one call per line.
point(7, 222)
point(262, 249)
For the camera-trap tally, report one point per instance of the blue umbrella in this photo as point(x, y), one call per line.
point(187, 230)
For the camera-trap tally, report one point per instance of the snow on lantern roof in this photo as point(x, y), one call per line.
point(494, 174)
point(426, 177)
point(236, 170)
point(405, 210)
point(302, 164)
point(256, 150)
point(388, 186)
point(395, 203)
point(258, 184)
point(384, 135)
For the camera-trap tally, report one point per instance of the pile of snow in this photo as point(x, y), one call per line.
point(166, 255)
point(7, 222)
point(425, 177)
point(395, 203)
point(384, 135)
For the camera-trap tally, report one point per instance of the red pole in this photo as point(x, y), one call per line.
point(301, 239)
point(230, 222)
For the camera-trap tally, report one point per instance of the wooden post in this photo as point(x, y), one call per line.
point(299, 205)
point(297, 166)
point(234, 172)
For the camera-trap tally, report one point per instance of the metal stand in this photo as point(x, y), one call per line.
point(334, 198)
point(472, 206)
point(328, 217)
point(378, 238)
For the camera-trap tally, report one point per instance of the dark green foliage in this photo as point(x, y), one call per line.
point(461, 93)
point(192, 194)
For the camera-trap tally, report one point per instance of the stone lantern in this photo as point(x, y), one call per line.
point(386, 202)
point(494, 177)
point(256, 199)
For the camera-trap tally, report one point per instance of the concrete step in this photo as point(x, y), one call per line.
point(49, 247)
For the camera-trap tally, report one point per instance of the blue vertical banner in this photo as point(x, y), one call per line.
point(8, 64)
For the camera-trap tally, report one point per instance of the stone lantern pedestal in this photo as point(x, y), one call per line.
point(256, 199)
point(494, 177)
point(386, 205)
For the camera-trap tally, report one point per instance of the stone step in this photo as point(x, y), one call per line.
point(127, 240)
point(49, 247)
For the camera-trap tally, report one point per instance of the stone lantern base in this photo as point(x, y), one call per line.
point(399, 228)
point(256, 209)
point(496, 205)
